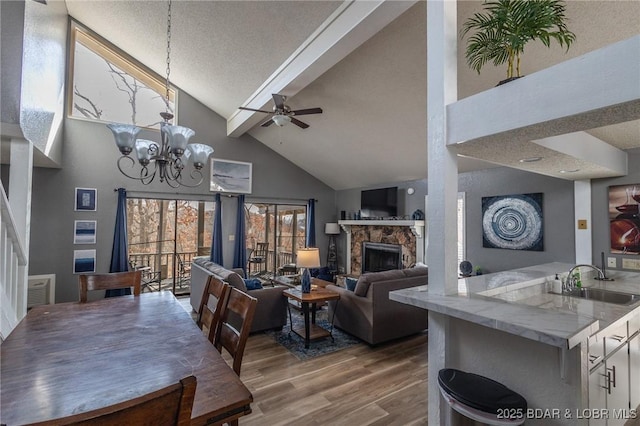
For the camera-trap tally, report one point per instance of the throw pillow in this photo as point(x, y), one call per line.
point(252, 283)
point(350, 283)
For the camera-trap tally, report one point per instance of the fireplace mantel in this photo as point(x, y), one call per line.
point(417, 228)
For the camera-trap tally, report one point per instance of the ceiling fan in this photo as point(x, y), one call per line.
point(282, 114)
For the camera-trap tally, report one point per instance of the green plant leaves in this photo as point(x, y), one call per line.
point(502, 31)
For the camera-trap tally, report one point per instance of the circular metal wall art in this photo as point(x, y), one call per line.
point(513, 222)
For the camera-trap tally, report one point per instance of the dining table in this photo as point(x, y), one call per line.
point(68, 358)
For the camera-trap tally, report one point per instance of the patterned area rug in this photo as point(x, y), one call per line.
point(295, 343)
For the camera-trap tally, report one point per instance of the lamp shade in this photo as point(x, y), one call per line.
point(331, 228)
point(125, 136)
point(201, 153)
point(178, 137)
point(308, 258)
point(281, 120)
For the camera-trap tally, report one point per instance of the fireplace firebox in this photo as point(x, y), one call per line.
point(380, 257)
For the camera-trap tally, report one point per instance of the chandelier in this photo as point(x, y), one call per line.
point(168, 159)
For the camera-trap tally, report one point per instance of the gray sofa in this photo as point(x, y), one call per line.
point(271, 311)
point(369, 314)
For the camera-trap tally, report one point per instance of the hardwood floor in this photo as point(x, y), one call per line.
point(360, 385)
point(385, 385)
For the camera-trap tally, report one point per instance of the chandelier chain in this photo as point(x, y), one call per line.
point(168, 52)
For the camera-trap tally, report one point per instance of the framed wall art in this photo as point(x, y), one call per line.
point(624, 220)
point(513, 222)
point(86, 199)
point(84, 261)
point(230, 176)
point(84, 232)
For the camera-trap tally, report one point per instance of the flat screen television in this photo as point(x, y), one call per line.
point(379, 203)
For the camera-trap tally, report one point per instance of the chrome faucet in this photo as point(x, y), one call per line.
point(569, 283)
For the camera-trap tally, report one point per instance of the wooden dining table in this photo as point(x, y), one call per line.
point(68, 358)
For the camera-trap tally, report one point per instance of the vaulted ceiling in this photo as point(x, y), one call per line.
point(363, 62)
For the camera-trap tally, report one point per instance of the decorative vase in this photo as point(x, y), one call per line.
point(305, 282)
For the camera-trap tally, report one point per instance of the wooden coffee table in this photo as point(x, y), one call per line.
point(311, 331)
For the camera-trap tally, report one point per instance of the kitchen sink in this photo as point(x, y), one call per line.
point(600, 295)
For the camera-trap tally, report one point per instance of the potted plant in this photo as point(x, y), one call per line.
point(501, 32)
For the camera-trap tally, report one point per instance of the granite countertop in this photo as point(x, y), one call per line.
point(518, 302)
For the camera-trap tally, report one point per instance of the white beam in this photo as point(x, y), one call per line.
point(597, 89)
point(583, 146)
point(582, 211)
point(348, 27)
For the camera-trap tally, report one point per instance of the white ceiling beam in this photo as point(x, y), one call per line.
point(353, 23)
point(597, 89)
point(583, 146)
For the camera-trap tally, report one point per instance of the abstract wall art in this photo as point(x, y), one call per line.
point(624, 221)
point(513, 222)
point(84, 232)
point(230, 176)
point(84, 261)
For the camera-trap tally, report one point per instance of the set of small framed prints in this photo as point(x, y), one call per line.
point(84, 231)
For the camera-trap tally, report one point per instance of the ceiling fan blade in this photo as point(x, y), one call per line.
point(267, 123)
point(278, 100)
point(256, 110)
point(299, 123)
point(307, 111)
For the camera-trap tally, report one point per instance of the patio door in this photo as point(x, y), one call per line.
point(282, 226)
point(164, 236)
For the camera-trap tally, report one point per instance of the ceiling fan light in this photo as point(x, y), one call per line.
point(281, 120)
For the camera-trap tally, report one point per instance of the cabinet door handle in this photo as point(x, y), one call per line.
point(594, 359)
point(612, 370)
point(607, 386)
point(617, 337)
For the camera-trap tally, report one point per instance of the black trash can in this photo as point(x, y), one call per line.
point(477, 400)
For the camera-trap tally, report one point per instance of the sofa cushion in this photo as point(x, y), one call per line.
point(417, 271)
point(252, 283)
point(350, 283)
point(362, 287)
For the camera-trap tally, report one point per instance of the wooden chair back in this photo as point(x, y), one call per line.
point(262, 249)
point(109, 281)
point(235, 324)
point(208, 317)
point(169, 406)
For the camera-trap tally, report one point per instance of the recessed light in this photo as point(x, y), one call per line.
point(530, 159)
point(570, 171)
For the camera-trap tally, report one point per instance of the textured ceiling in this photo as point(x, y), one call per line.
point(373, 129)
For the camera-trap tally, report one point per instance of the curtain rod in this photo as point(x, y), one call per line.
point(191, 195)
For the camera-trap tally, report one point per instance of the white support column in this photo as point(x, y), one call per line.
point(582, 211)
point(442, 184)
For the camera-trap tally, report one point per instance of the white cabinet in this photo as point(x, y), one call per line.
point(617, 371)
point(614, 379)
point(634, 370)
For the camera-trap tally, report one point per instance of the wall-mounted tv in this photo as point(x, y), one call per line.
point(379, 203)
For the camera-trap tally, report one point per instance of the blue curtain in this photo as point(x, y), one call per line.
point(311, 223)
point(216, 243)
point(119, 252)
point(240, 248)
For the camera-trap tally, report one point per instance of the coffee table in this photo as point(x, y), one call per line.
point(311, 331)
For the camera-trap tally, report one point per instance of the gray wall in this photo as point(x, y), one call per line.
point(89, 161)
point(557, 204)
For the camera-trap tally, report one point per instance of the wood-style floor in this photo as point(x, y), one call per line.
point(385, 385)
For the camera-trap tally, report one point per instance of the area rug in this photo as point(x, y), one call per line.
point(295, 343)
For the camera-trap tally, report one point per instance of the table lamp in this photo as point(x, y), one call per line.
point(307, 258)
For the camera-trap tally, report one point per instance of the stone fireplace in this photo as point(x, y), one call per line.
point(406, 235)
point(380, 257)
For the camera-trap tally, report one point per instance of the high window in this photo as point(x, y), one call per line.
point(109, 86)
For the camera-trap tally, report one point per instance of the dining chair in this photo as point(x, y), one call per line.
point(208, 317)
point(235, 324)
point(109, 281)
point(168, 406)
